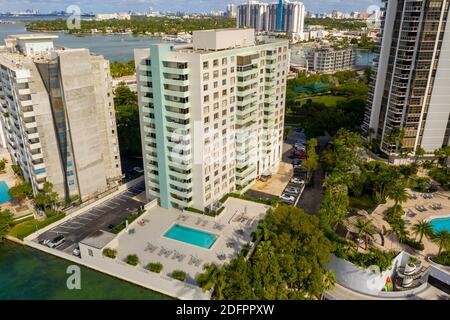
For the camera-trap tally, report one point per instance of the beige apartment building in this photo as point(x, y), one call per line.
point(58, 120)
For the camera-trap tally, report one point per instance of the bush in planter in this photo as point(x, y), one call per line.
point(110, 253)
point(154, 267)
point(179, 275)
point(132, 260)
point(413, 244)
point(443, 258)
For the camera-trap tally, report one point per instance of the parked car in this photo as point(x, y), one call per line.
point(57, 241)
point(264, 178)
point(300, 154)
point(296, 180)
point(300, 148)
point(287, 198)
point(292, 190)
point(296, 162)
point(76, 252)
point(297, 167)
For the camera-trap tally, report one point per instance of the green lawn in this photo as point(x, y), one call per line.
point(329, 101)
point(365, 202)
point(24, 229)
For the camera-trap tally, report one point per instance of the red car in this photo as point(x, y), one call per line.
point(300, 154)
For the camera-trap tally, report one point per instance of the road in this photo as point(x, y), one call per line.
point(110, 212)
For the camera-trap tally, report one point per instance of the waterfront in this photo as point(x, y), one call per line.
point(112, 47)
point(28, 274)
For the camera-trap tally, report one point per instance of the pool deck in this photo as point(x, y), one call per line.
point(391, 241)
point(229, 242)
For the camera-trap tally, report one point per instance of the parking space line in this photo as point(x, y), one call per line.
point(84, 218)
point(63, 232)
point(71, 228)
point(91, 214)
point(76, 222)
point(117, 204)
point(97, 209)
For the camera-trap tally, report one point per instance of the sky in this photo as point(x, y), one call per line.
point(107, 6)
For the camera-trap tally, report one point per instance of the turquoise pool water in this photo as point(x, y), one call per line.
point(191, 236)
point(439, 224)
point(4, 195)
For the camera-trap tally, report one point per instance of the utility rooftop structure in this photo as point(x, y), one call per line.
point(211, 115)
point(58, 120)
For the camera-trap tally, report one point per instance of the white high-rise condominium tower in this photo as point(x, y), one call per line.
point(269, 17)
point(58, 119)
point(410, 95)
point(211, 115)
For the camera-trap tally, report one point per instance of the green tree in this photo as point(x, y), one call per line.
point(6, 218)
point(127, 117)
point(395, 137)
point(398, 193)
point(212, 277)
point(46, 198)
point(442, 154)
point(422, 228)
point(420, 152)
point(366, 230)
point(329, 280)
point(442, 240)
point(312, 161)
point(21, 192)
point(3, 163)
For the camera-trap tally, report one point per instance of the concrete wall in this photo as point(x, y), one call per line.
point(363, 280)
point(80, 101)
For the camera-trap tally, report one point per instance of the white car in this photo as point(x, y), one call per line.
point(76, 252)
point(297, 181)
point(57, 241)
point(287, 198)
point(292, 190)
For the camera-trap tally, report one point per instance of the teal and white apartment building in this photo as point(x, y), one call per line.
point(212, 115)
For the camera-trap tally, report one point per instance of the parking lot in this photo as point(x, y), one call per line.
point(292, 190)
point(103, 216)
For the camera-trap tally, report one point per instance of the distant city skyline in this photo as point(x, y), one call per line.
point(45, 6)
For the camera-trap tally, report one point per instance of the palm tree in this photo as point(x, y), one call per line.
point(442, 240)
point(328, 280)
point(420, 152)
point(422, 228)
point(213, 276)
point(395, 137)
point(366, 229)
point(398, 193)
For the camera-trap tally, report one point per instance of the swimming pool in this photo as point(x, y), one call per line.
point(191, 236)
point(4, 195)
point(439, 224)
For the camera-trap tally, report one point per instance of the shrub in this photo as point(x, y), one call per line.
point(443, 258)
point(413, 244)
point(132, 260)
point(110, 253)
point(270, 202)
point(376, 257)
point(179, 275)
point(154, 267)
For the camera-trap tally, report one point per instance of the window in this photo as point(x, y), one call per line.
point(224, 61)
point(206, 98)
point(206, 76)
point(216, 74)
point(216, 63)
point(205, 87)
point(205, 65)
point(70, 173)
point(90, 252)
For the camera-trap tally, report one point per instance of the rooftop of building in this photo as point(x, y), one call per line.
point(98, 239)
point(32, 36)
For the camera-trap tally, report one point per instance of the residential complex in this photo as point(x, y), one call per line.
point(320, 58)
point(58, 119)
point(211, 115)
point(285, 16)
point(410, 89)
